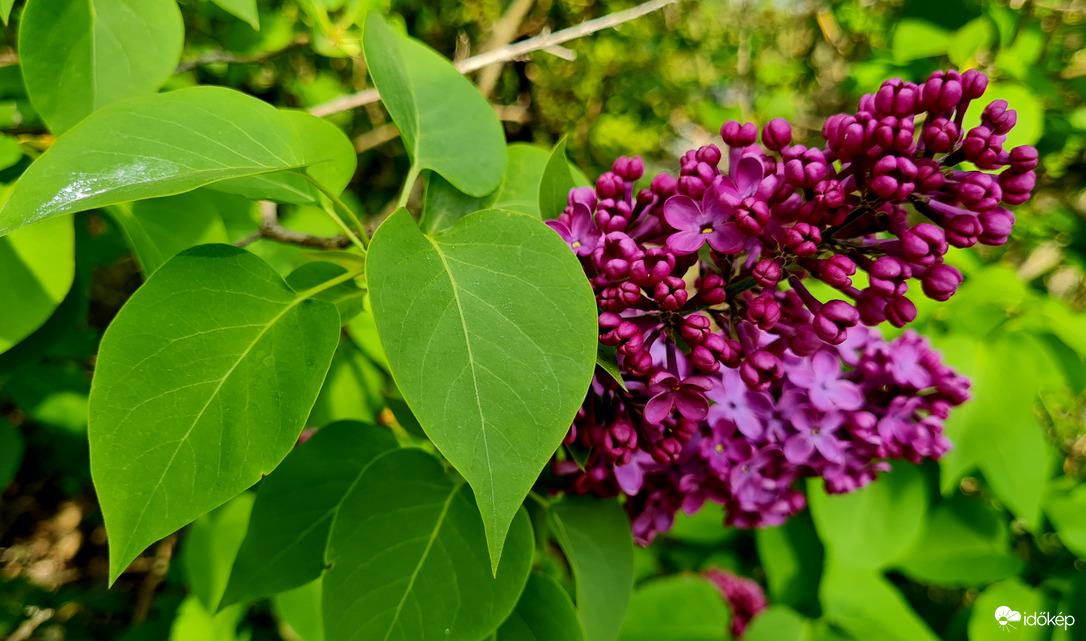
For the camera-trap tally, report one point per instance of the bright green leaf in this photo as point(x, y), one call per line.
point(869, 607)
point(872, 526)
point(194, 622)
point(778, 623)
point(37, 268)
point(11, 453)
point(295, 508)
point(11, 151)
point(1030, 125)
point(352, 390)
point(409, 558)
point(519, 190)
point(202, 385)
point(78, 56)
point(211, 545)
point(346, 296)
point(1066, 508)
point(555, 184)
point(5, 10)
point(544, 613)
point(490, 331)
point(244, 9)
point(300, 609)
point(595, 536)
point(915, 39)
point(607, 360)
point(171, 143)
point(443, 205)
point(677, 608)
point(1019, 597)
point(425, 94)
point(976, 35)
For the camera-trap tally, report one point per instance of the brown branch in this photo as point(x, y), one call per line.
point(514, 51)
point(505, 29)
point(270, 229)
point(159, 567)
point(37, 617)
point(237, 58)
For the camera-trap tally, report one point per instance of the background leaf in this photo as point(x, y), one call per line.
point(424, 93)
point(200, 136)
point(682, 607)
point(1015, 595)
point(869, 607)
point(244, 9)
point(37, 269)
point(202, 385)
point(5, 10)
point(212, 544)
point(346, 296)
point(409, 558)
point(544, 613)
point(915, 39)
point(595, 536)
point(78, 56)
point(1066, 508)
point(555, 184)
point(300, 609)
point(11, 453)
point(295, 507)
point(490, 331)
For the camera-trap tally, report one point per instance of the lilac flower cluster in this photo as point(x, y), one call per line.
point(745, 598)
point(739, 379)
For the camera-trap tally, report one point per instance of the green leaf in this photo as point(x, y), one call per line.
point(352, 390)
point(869, 607)
point(295, 508)
point(346, 296)
point(211, 546)
point(1030, 125)
point(682, 607)
point(194, 622)
point(244, 9)
point(408, 557)
point(160, 228)
point(519, 190)
point(171, 143)
point(964, 545)
point(11, 453)
point(5, 10)
point(915, 39)
point(37, 268)
point(444, 205)
point(555, 184)
point(778, 623)
point(544, 613)
point(1012, 593)
point(607, 360)
point(202, 385)
point(872, 526)
point(791, 556)
point(490, 332)
point(1066, 508)
point(424, 94)
point(976, 35)
point(300, 609)
point(78, 56)
point(595, 536)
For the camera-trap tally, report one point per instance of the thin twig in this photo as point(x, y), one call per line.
point(270, 229)
point(505, 29)
point(238, 58)
point(37, 617)
point(506, 53)
point(159, 568)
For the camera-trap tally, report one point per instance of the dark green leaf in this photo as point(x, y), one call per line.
point(409, 558)
point(444, 205)
point(677, 608)
point(544, 613)
point(424, 93)
point(37, 267)
point(295, 508)
point(607, 360)
point(244, 9)
point(78, 56)
point(202, 385)
point(11, 453)
point(519, 190)
point(347, 297)
point(595, 536)
point(490, 331)
point(555, 184)
point(171, 143)
point(791, 555)
point(210, 547)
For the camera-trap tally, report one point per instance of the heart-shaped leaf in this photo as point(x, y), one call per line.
point(78, 56)
point(544, 613)
point(408, 558)
point(490, 332)
point(203, 383)
point(174, 142)
point(426, 95)
point(284, 547)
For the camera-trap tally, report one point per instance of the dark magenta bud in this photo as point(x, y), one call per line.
point(751, 215)
point(1016, 187)
point(767, 273)
point(802, 239)
point(895, 135)
point(833, 319)
point(963, 230)
point(760, 369)
point(979, 191)
point(764, 312)
point(711, 289)
point(997, 225)
point(735, 134)
point(803, 167)
point(940, 282)
point(888, 276)
point(1024, 158)
point(777, 134)
point(610, 185)
point(974, 83)
point(940, 135)
point(670, 293)
point(983, 147)
point(695, 328)
point(893, 177)
point(829, 194)
point(924, 244)
point(836, 271)
point(942, 92)
point(900, 311)
point(656, 265)
point(998, 118)
point(709, 154)
point(896, 98)
point(928, 175)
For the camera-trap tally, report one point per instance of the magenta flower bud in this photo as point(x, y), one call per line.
point(894, 135)
point(1016, 187)
point(997, 225)
point(942, 92)
point(615, 253)
point(804, 167)
point(871, 306)
point(629, 169)
point(664, 185)
point(621, 437)
point(844, 135)
point(670, 293)
point(888, 276)
point(583, 195)
point(767, 273)
point(735, 134)
point(924, 244)
point(695, 328)
point(751, 215)
point(979, 191)
point(900, 311)
point(829, 194)
point(998, 118)
point(963, 230)
point(974, 83)
point(928, 175)
point(709, 154)
point(896, 98)
point(764, 312)
point(730, 351)
point(836, 270)
point(777, 134)
point(667, 451)
point(617, 299)
point(940, 282)
point(610, 185)
point(711, 289)
point(802, 239)
point(760, 369)
point(940, 135)
point(833, 319)
point(983, 147)
point(691, 186)
point(656, 265)
point(713, 351)
point(1024, 158)
point(892, 177)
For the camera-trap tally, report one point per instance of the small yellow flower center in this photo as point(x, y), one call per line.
point(576, 244)
point(719, 447)
point(707, 230)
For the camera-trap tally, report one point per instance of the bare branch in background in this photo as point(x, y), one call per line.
point(513, 51)
point(237, 58)
point(272, 230)
point(505, 29)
